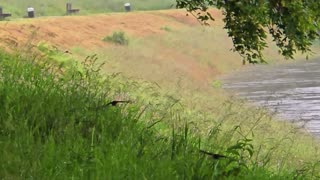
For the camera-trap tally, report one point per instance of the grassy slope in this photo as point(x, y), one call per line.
point(185, 68)
point(58, 7)
point(56, 126)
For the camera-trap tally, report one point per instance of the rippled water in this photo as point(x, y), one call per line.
point(293, 91)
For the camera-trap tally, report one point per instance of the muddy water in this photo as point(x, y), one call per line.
point(292, 91)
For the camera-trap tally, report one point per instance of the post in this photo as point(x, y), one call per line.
point(68, 7)
point(1, 12)
point(30, 11)
point(127, 7)
point(3, 15)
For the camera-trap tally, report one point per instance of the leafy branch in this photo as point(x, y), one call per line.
point(293, 24)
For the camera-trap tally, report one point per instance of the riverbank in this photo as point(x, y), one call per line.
point(65, 124)
point(169, 70)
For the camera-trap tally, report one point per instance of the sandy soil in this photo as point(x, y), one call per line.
point(87, 31)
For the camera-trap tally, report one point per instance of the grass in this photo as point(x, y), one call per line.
point(56, 56)
point(117, 37)
point(57, 125)
point(160, 57)
point(166, 28)
point(58, 7)
point(171, 58)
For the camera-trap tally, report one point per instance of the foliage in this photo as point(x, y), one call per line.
point(166, 28)
point(53, 54)
point(118, 37)
point(293, 24)
point(216, 84)
point(58, 125)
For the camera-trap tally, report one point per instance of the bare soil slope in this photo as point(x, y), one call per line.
point(178, 54)
point(165, 46)
point(87, 31)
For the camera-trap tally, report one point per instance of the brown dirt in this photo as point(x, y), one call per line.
point(88, 31)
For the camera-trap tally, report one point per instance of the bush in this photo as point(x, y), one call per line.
point(117, 38)
point(166, 28)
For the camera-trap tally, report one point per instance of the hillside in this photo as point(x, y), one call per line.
point(168, 70)
point(152, 36)
point(161, 41)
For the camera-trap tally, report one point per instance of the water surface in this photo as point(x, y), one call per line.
point(292, 91)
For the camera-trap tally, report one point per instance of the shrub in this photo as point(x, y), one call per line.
point(166, 28)
point(118, 37)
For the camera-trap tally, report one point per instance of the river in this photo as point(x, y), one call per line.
point(291, 90)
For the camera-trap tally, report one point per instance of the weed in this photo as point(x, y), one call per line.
point(117, 37)
point(166, 28)
point(216, 84)
point(53, 54)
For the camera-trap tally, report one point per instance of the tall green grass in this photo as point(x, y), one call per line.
point(57, 124)
point(58, 7)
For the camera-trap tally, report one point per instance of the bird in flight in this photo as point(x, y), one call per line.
point(213, 155)
point(114, 103)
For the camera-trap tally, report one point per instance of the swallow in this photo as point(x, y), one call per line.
point(213, 155)
point(114, 103)
point(67, 52)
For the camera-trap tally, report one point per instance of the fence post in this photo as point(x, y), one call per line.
point(3, 15)
point(30, 11)
point(68, 8)
point(127, 7)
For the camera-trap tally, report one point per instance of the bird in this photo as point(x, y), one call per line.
point(67, 52)
point(114, 103)
point(213, 155)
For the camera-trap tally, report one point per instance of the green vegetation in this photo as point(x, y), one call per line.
point(166, 28)
point(117, 37)
point(56, 56)
point(58, 7)
point(216, 84)
point(56, 120)
point(293, 25)
point(57, 124)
